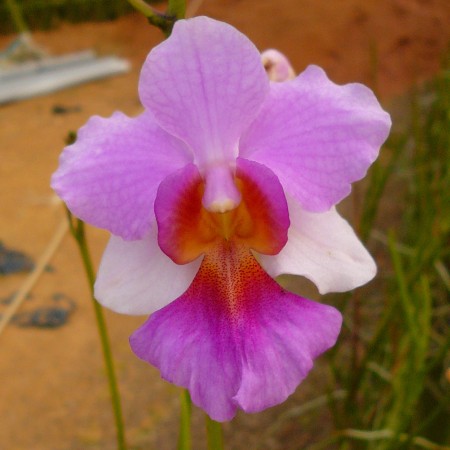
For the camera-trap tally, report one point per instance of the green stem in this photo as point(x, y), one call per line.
point(214, 434)
point(162, 21)
point(177, 8)
point(185, 440)
point(143, 7)
point(17, 17)
point(77, 230)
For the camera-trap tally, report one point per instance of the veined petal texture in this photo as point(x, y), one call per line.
point(317, 137)
point(110, 176)
point(205, 85)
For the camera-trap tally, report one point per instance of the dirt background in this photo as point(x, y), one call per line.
point(53, 393)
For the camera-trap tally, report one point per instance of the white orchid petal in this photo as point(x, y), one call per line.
point(138, 278)
point(324, 248)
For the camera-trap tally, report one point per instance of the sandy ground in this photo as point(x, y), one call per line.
point(53, 394)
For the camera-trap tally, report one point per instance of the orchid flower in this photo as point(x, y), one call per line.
point(225, 181)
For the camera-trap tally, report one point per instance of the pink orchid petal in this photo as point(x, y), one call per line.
point(205, 84)
point(324, 248)
point(180, 215)
point(235, 338)
point(317, 137)
point(268, 208)
point(138, 278)
point(109, 177)
point(279, 347)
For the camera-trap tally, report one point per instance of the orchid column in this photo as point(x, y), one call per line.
point(224, 181)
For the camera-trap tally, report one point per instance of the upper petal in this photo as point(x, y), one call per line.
point(204, 84)
point(110, 176)
point(324, 248)
point(138, 278)
point(317, 137)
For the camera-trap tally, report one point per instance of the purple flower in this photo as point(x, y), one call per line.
point(224, 181)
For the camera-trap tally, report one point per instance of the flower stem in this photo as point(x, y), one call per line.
point(17, 16)
point(142, 7)
point(77, 231)
point(177, 8)
point(214, 434)
point(160, 20)
point(184, 440)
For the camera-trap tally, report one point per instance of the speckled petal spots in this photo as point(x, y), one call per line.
point(235, 338)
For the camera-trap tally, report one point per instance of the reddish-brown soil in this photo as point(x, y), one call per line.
point(53, 392)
